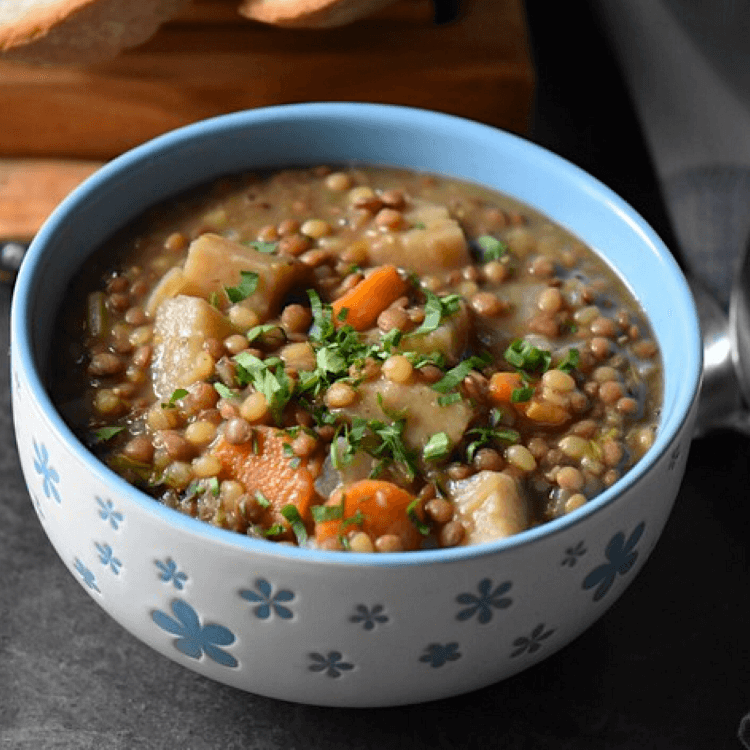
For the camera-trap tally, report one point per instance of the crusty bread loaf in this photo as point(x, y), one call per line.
point(91, 31)
point(78, 31)
point(309, 13)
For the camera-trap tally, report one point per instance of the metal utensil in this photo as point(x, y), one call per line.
point(739, 325)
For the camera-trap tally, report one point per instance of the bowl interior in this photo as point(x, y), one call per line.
point(332, 133)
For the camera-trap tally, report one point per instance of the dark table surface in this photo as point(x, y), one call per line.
point(667, 667)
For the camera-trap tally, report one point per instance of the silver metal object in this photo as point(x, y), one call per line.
point(720, 404)
point(11, 255)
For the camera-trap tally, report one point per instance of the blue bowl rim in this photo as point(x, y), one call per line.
point(364, 112)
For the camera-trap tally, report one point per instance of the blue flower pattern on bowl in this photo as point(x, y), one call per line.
point(87, 576)
point(46, 471)
point(268, 602)
point(533, 642)
point(107, 557)
point(437, 654)
point(573, 554)
point(107, 512)
point(168, 572)
point(193, 639)
point(332, 664)
point(482, 605)
point(621, 556)
point(369, 617)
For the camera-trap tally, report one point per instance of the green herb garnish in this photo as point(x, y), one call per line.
point(174, 398)
point(526, 357)
point(291, 513)
point(267, 377)
point(247, 286)
point(436, 309)
point(570, 361)
point(262, 500)
point(323, 513)
point(356, 520)
point(491, 247)
point(224, 391)
point(411, 512)
point(257, 331)
point(521, 395)
point(103, 434)
point(487, 437)
point(263, 247)
point(455, 376)
point(449, 398)
point(437, 447)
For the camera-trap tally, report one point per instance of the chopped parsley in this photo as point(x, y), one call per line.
point(323, 513)
point(449, 398)
point(521, 395)
point(436, 309)
point(103, 434)
point(267, 377)
point(291, 513)
point(487, 437)
point(177, 394)
point(263, 247)
point(570, 361)
point(257, 332)
point(383, 441)
point(247, 286)
point(262, 500)
point(526, 357)
point(356, 520)
point(224, 391)
point(455, 376)
point(411, 512)
point(491, 247)
point(391, 448)
point(437, 447)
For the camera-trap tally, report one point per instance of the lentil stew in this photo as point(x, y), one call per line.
point(358, 358)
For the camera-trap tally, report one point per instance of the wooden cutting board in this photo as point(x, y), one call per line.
point(211, 61)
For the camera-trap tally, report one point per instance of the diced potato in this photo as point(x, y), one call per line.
point(450, 338)
point(214, 262)
point(433, 242)
point(491, 505)
point(171, 284)
point(180, 331)
point(419, 403)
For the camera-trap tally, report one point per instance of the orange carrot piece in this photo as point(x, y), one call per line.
point(266, 470)
point(365, 301)
point(375, 507)
point(502, 385)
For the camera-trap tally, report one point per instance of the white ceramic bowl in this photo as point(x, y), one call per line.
point(325, 627)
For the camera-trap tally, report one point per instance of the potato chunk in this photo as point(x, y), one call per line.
point(214, 262)
point(491, 505)
point(450, 338)
point(182, 326)
point(419, 404)
point(433, 242)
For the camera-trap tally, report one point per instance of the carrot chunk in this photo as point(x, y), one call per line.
point(375, 507)
point(269, 473)
point(502, 385)
point(365, 301)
